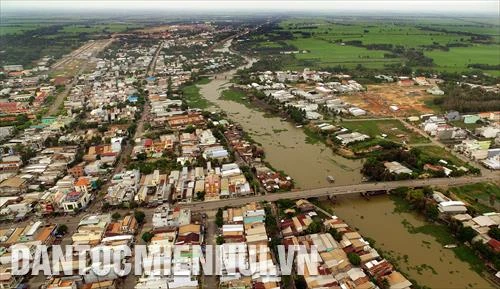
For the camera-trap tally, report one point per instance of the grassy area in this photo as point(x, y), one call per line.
point(99, 28)
point(236, 95)
point(192, 94)
point(469, 126)
point(439, 152)
point(478, 196)
point(336, 41)
point(394, 130)
point(322, 54)
point(6, 29)
point(458, 58)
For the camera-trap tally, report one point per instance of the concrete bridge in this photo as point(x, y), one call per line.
point(333, 190)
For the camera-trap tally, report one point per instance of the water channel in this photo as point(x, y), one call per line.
point(309, 165)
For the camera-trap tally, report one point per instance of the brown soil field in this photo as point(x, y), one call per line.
point(378, 98)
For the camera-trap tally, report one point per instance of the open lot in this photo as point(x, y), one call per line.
point(378, 99)
point(394, 130)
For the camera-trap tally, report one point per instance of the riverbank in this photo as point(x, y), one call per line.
point(409, 241)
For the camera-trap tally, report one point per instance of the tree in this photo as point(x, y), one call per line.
point(335, 234)
point(466, 234)
point(219, 240)
point(116, 216)
point(200, 196)
point(494, 233)
point(354, 258)
point(62, 229)
point(139, 216)
point(219, 221)
point(431, 212)
point(146, 237)
point(314, 227)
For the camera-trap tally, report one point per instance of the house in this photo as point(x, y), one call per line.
point(13, 186)
point(7, 279)
point(488, 131)
point(77, 170)
point(453, 115)
point(469, 119)
point(397, 281)
point(397, 168)
point(351, 137)
point(75, 201)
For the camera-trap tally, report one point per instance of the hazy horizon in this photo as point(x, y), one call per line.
point(451, 7)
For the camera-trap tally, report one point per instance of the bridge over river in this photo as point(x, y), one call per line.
point(333, 190)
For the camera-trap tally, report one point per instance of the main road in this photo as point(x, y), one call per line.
point(339, 191)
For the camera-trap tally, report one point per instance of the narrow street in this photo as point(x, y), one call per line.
point(210, 282)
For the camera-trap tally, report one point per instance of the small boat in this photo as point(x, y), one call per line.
point(330, 179)
point(450, 246)
point(298, 126)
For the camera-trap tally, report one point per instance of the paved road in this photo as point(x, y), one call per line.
point(340, 190)
point(96, 48)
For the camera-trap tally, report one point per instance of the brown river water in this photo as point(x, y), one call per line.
point(420, 256)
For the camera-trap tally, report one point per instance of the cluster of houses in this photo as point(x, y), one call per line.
point(245, 240)
point(24, 91)
point(450, 209)
point(337, 243)
point(481, 144)
point(309, 91)
point(97, 231)
point(252, 155)
point(173, 226)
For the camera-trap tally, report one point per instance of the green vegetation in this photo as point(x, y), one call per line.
point(414, 159)
point(354, 258)
point(139, 216)
point(192, 96)
point(465, 99)
point(147, 236)
point(394, 129)
point(236, 95)
point(354, 45)
point(461, 58)
point(482, 197)
point(323, 54)
point(219, 221)
point(408, 200)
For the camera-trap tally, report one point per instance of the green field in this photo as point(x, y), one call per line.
point(6, 29)
point(478, 196)
point(323, 54)
point(392, 128)
point(458, 58)
point(99, 28)
point(370, 41)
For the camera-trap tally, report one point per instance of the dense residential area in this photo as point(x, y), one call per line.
point(368, 151)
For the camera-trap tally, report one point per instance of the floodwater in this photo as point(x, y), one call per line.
point(284, 144)
point(420, 256)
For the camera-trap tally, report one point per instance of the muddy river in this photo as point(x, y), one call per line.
point(419, 255)
point(285, 145)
